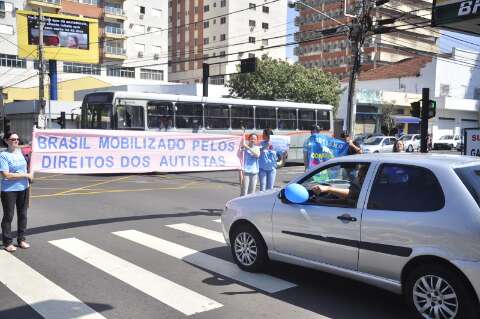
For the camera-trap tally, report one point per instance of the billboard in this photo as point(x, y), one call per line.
point(457, 15)
point(65, 38)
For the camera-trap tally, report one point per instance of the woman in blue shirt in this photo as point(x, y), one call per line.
point(15, 184)
point(251, 152)
point(267, 162)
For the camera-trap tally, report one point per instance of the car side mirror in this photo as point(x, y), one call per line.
point(295, 193)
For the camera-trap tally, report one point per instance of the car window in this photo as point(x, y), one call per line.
point(416, 138)
point(373, 141)
point(406, 188)
point(347, 176)
point(386, 141)
point(470, 177)
point(392, 140)
point(447, 137)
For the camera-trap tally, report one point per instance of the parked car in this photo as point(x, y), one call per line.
point(361, 138)
point(411, 142)
point(409, 224)
point(379, 144)
point(446, 142)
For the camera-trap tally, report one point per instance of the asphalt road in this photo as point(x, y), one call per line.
point(93, 254)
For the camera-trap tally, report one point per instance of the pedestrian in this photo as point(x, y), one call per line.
point(251, 153)
point(267, 162)
point(15, 183)
point(352, 148)
point(398, 147)
point(307, 145)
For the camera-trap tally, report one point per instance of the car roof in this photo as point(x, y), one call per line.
point(415, 159)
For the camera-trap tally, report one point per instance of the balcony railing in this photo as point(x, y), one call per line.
point(114, 30)
point(54, 2)
point(115, 50)
point(115, 11)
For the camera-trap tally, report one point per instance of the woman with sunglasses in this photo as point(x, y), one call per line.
point(15, 183)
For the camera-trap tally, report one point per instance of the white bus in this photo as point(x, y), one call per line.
point(165, 112)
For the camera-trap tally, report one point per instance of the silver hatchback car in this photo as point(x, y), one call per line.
point(406, 223)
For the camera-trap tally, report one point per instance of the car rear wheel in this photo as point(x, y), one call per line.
point(439, 292)
point(248, 248)
point(410, 148)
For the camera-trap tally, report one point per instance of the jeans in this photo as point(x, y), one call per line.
point(267, 179)
point(249, 183)
point(9, 201)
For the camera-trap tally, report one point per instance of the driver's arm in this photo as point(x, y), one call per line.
point(339, 192)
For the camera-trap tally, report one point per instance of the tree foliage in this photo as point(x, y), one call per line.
point(388, 122)
point(280, 80)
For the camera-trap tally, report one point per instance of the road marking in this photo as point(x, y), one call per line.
point(199, 231)
point(92, 185)
point(217, 221)
point(178, 297)
point(48, 177)
point(224, 268)
point(44, 296)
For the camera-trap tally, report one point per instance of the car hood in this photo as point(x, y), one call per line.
point(370, 148)
point(272, 193)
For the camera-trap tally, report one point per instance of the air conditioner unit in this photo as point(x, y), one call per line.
point(140, 54)
point(141, 16)
point(156, 56)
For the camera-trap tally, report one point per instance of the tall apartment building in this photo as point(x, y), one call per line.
point(212, 31)
point(133, 36)
point(333, 54)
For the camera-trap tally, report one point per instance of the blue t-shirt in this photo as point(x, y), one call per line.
point(250, 162)
point(13, 163)
point(268, 158)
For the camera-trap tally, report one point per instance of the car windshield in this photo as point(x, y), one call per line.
point(470, 177)
point(406, 138)
point(447, 137)
point(373, 141)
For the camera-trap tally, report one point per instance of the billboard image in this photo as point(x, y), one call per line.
point(457, 15)
point(65, 38)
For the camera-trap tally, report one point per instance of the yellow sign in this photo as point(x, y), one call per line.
point(65, 38)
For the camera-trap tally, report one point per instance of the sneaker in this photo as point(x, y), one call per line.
point(10, 248)
point(24, 245)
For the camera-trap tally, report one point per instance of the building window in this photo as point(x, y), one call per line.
point(206, 24)
point(265, 9)
point(206, 8)
point(265, 42)
point(222, 53)
point(205, 41)
point(223, 3)
point(252, 6)
point(70, 67)
point(12, 61)
point(7, 29)
point(195, 9)
point(223, 20)
point(223, 37)
point(251, 23)
point(264, 25)
point(148, 74)
point(251, 55)
point(2, 9)
point(251, 39)
point(217, 80)
point(476, 94)
point(90, 2)
point(122, 72)
point(444, 90)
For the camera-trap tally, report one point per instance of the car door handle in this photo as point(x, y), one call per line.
point(347, 218)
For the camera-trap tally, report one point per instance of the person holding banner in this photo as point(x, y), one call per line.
point(352, 148)
point(267, 162)
point(251, 153)
point(15, 184)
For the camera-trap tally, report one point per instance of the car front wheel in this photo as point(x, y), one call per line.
point(410, 148)
point(438, 292)
point(248, 248)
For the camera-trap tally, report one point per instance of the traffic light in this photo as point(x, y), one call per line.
point(248, 65)
point(61, 120)
point(432, 109)
point(416, 108)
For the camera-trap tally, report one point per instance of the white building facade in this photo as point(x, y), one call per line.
point(220, 33)
point(454, 83)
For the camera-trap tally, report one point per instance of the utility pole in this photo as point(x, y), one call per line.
point(206, 74)
point(424, 120)
point(41, 71)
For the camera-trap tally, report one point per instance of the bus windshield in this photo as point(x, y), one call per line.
point(97, 116)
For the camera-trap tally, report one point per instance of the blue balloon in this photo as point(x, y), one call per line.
point(296, 193)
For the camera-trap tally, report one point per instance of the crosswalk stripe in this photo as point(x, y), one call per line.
point(44, 296)
point(199, 231)
point(217, 220)
point(178, 297)
point(224, 268)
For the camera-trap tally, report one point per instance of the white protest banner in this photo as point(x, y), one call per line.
point(105, 151)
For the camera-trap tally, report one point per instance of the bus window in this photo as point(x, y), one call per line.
point(287, 119)
point(323, 120)
point(216, 116)
point(160, 115)
point(242, 117)
point(130, 117)
point(97, 116)
point(306, 119)
point(189, 115)
point(265, 118)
